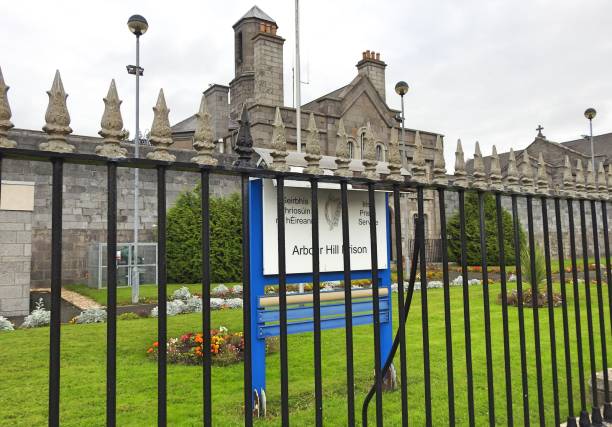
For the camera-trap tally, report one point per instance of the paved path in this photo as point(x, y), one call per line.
point(79, 301)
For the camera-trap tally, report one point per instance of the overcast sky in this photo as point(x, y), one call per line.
point(478, 69)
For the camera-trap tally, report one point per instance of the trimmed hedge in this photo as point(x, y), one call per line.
point(472, 231)
point(184, 239)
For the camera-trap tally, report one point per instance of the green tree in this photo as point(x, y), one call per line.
point(184, 239)
point(472, 232)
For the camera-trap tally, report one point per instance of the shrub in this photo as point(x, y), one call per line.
point(6, 325)
point(128, 316)
point(540, 264)
point(184, 239)
point(182, 294)
point(226, 348)
point(542, 300)
point(91, 315)
point(472, 232)
point(38, 317)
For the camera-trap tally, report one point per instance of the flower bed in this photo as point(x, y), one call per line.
point(226, 348)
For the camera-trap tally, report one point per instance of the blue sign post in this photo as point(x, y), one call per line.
point(265, 317)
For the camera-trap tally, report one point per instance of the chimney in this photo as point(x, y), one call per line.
point(374, 68)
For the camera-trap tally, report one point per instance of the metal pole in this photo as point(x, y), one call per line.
point(135, 273)
point(403, 144)
point(592, 149)
point(298, 82)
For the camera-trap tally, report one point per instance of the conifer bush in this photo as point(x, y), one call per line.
point(184, 239)
point(472, 232)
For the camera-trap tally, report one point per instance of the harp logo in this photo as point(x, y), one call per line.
point(333, 209)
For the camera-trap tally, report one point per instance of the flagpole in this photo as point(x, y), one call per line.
point(297, 82)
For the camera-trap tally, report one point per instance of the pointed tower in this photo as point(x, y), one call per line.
point(258, 62)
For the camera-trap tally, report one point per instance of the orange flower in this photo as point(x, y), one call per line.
point(155, 344)
point(199, 339)
point(150, 350)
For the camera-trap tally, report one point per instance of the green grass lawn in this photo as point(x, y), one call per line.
point(148, 293)
point(24, 378)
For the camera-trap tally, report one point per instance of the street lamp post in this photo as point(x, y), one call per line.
point(590, 114)
point(138, 25)
point(401, 88)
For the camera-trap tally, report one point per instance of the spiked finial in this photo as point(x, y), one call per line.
point(279, 144)
point(313, 148)
point(542, 182)
point(568, 179)
point(57, 119)
point(395, 160)
point(343, 156)
point(369, 156)
point(526, 173)
point(244, 141)
point(5, 116)
point(419, 169)
point(591, 187)
point(580, 187)
point(111, 126)
point(161, 133)
point(480, 176)
point(203, 138)
point(460, 174)
point(512, 177)
point(495, 174)
point(602, 186)
point(439, 165)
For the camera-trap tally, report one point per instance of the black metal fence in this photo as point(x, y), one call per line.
point(573, 376)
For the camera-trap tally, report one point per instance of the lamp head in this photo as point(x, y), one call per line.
point(138, 25)
point(401, 88)
point(590, 113)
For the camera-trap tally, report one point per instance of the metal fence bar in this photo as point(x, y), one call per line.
point(516, 226)
point(602, 327)
point(282, 294)
point(162, 316)
point(206, 324)
point(316, 299)
point(56, 292)
point(111, 303)
point(571, 419)
point(486, 306)
point(246, 302)
point(450, 384)
point(535, 291)
point(596, 418)
point(375, 305)
point(584, 414)
point(466, 310)
point(504, 300)
point(400, 303)
point(424, 308)
point(551, 313)
point(348, 306)
point(604, 216)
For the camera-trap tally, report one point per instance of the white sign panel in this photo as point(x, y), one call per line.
point(298, 229)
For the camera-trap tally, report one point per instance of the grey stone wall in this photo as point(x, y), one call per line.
point(268, 67)
point(85, 204)
point(15, 258)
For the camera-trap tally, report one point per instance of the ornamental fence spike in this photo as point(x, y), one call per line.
point(111, 126)
point(480, 177)
point(313, 148)
point(5, 116)
point(460, 176)
point(395, 159)
point(57, 118)
point(279, 144)
point(343, 156)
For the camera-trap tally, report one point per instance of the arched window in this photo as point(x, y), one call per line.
point(239, 47)
point(362, 144)
point(380, 153)
point(351, 150)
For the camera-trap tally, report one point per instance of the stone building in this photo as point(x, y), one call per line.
point(258, 85)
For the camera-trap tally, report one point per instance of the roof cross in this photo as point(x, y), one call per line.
point(540, 129)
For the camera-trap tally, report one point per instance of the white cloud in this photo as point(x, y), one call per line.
point(488, 71)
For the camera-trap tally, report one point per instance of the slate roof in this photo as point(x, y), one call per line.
point(602, 145)
point(257, 13)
